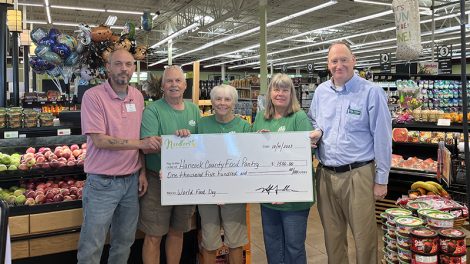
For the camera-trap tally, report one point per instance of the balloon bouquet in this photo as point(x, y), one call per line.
point(61, 55)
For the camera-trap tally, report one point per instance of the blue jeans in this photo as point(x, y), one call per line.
point(108, 202)
point(284, 235)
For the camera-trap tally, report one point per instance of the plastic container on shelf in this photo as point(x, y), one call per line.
point(46, 119)
point(452, 242)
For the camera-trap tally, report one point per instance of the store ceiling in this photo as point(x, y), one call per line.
point(220, 20)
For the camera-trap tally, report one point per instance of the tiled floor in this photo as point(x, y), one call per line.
point(315, 245)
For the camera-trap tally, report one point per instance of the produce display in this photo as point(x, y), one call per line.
point(44, 158)
point(430, 187)
point(431, 137)
point(34, 192)
point(414, 163)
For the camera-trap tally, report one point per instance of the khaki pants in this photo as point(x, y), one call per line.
point(348, 198)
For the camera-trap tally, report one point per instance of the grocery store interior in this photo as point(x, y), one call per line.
point(52, 51)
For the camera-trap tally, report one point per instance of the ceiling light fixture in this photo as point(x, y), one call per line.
point(310, 32)
point(28, 4)
point(110, 21)
point(36, 22)
point(351, 36)
point(174, 35)
point(124, 12)
point(79, 8)
point(48, 11)
point(256, 29)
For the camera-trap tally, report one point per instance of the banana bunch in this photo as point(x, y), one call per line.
point(427, 188)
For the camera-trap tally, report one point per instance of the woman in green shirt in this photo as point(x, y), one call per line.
point(233, 216)
point(284, 224)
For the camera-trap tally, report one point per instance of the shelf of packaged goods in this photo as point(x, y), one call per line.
point(413, 173)
point(204, 103)
point(427, 126)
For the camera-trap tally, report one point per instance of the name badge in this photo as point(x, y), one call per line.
point(354, 112)
point(130, 108)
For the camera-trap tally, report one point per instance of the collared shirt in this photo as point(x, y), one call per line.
point(356, 125)
point(103, 112)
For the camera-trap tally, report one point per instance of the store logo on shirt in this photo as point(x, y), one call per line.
point(281, 129)
point(192, 123)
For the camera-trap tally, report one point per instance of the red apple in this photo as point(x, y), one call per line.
point(71, 182)
point(58, 151)
point(49, 201)
point(73, 190)
point(65, 147)
point(40, 198)
point(37, 155)
point(47, 154)
point(28, 156)
point(39, 191)
point(52, 157)
point(45, 150)
point(41, 185)
point(64, 192)
point(58, 198)
point(54, 163)
point(45, 165)
point(79, 184)
point(41, 150)
point(76, 153)
point(62, 159)
point(23, 166)
point(70, 163)
point(80, 162)
point(30, 194)
point(30, 201)
point(62, 164)
point(66, 153)
point(67, 198)
point(74, 147)
point(73, 196)
point(84, 146)
point(40, 159)
point(50, 195)
point(31, 150)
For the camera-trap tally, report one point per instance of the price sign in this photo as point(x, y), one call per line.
point(385, 63)
point(64, 132)
point(10, 134)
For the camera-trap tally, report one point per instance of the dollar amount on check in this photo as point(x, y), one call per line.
point(237, 168)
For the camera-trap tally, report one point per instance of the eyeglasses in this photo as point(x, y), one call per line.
point(342, 60)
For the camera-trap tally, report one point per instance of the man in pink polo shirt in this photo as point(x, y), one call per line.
point(111, 116)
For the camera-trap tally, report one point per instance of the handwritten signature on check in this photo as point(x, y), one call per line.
point(274, 189)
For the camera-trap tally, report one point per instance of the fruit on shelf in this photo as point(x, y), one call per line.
point(400, 135)
point(427, 188)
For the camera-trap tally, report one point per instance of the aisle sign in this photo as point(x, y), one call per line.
point(385, 63)
point(310, 69)
point(444, 57)
point(284, 68)
point(237, 168)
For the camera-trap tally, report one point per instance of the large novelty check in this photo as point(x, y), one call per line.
point(237, 168)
